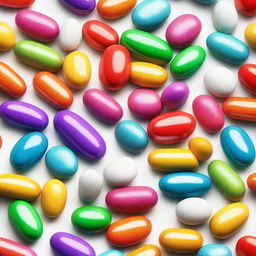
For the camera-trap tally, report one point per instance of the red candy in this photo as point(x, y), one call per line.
point(247, 77)
point(251, 182)
point(246, 7)
point(246, 246)
point(16, 3)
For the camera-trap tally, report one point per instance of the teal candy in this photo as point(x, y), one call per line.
point(227, 48)
point(214, 250)
point(112, 253)
point(237, 146)
point(61, 161)
point(150, 14)
point(131, 136)
point(28, 151)
point(206, 1)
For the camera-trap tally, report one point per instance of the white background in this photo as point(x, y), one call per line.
point(163, 215)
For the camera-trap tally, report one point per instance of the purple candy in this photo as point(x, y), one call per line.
point(80, 6)
point(23, 115)
point(79, 135)
point(65, 244)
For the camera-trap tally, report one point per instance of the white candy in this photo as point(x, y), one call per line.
point(120, 172)
point(220, 81)
point(225, 17)
point(70, 35)
point(193, 211)
point(90, 185)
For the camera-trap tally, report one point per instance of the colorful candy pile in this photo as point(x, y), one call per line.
point(137, 56)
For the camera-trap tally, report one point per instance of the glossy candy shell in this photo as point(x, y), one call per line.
point(214, 250)
point(7, 36)
point(16, 4)
point(247, 77)
point(146, 250)
point(82, 7)
point(246, 246)
point(246, 7)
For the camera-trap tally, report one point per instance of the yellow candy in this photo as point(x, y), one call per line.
point(77, 69)
point(229, 220)
point(146, 250)
point(172, 160)
point(19, 187)
point(250, 35)
point(7, 37)
point(201, 148)
point(181, 240)
point(148, 74)
point(54, 197)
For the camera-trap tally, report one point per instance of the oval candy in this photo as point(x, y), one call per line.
point(246, 246)
point(247, 77)
point(251, 182)
point(83, 7)
point(214, 250)
point(147, 250)
point(16, 4)
point(246, 7)
point(112, 253)
point(7, 36)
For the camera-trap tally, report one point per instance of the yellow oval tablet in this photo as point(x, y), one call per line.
point(77, 70)
point(250, 35)
point(146, 250)
point(229, 220)
point(7, 37)
point(54, 198)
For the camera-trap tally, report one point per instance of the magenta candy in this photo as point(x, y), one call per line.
point(145, 103)
point(183, 31)
point(133, 199)
point(208, 113)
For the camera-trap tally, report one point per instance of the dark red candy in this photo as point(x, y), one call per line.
point(246, 7)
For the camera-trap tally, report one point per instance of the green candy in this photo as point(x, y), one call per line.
point(187, 62)
point(38, 55)
point(25, 220)
point(91, 219)
point(147, 47)
point(227, 180)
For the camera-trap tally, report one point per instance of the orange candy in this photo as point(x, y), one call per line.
point(1, 142)
point(251, 182)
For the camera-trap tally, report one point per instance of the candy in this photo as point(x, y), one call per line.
point(247, 77)
point(91, 219)
point(120, 172)
point(175, 95)
point(25, 220)
point(227, 180)
point(249, 34)
point(208, 113)
point(37, 25)
point(184, 184)
point(79, 135)
point(227, 48)
point(214, 250)
point(131, 136)
point(82, 7)
point(7, 36)
point(251, 182)
point(144, 103)
point(111, 9)
point(131, 199)
point(181, 240)
point(16, 3)
point(112, 253)
point(76, 70)
point(66, 244)
point(171, 127)
point(23, 115)
point(183, 31)
point(128, 231)
point(193, 211)
point(90, 186)
point(237, 146)
point(229, 220)
point(206, 1)
point(28, 151)
point(246, 246)
point(10, 82)
point(146, 47)
point(150, 14)
point(149, 249)
point(246, 7)
point(99, 35)
point(187, 62)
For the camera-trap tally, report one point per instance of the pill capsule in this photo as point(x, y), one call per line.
point(7, 36)
point(214, 250)
point(229, 220)
point(148, 250)
point(184, 184)
point(246, 245)
point(112, 253)
point(63, 243)
point(16, 3)
point(251, 182)
point(25, 220)
point(227, 180)
point(183, 31)
point(53, 90)
point(181, 240)
point(115, 67)
point(82, 7)
point(10, 82)
point(23, 115)
point(146, 47)
point(246, 7)
point(128, 231)
point(99, 35)
point(247, 77)
point(79, 135)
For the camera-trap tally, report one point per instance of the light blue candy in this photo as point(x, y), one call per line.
point(237, 146)
point(131, 136)
point(112, 253)
point(227, 48)
point(214, 250)
point(61, 161)
point(150, 14)
point(28, 151)
point(206, 1)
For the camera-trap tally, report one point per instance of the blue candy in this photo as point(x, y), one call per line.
point(112, 253)
point(206, 1)
point(214, 250)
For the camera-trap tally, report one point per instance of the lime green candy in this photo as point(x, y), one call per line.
point(25, 220)
point(147, 47)
point(38, 55)
point(91, 219)
point(187, 62)
point(227, 180)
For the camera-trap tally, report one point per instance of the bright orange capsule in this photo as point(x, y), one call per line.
point(53, 90)
point(146, 250)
